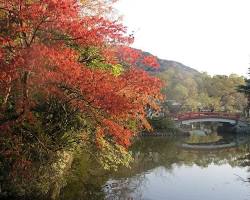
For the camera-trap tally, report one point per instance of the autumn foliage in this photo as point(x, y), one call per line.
point(59, 49)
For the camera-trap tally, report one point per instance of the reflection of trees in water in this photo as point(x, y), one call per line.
point(131, 188)
point(90, 182)
point(244, 160)
point(165, 154)
point(125, 188)
point(150, 153)
point(85, 181)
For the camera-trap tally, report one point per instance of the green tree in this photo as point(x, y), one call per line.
point(245, 89)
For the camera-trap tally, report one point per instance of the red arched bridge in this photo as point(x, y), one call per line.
point(190, 117)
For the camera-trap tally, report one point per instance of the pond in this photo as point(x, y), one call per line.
point(183, 168)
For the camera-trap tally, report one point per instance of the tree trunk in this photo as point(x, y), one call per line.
point(25, 92)
point(6, 96)
point(5, 100)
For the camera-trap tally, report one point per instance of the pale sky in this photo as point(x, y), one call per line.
point(208, 35)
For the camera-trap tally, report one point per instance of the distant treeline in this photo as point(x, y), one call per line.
point(189, 90)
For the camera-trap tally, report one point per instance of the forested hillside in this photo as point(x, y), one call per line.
point(190, 90)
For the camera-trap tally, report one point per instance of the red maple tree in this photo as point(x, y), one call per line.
point(44, 51)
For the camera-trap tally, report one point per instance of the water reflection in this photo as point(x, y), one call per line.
point(164, 169)
point(212, 136)
point(186, 182)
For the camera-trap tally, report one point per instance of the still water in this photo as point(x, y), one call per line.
point(170, 168)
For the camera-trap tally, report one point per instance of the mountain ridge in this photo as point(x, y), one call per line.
point(165, 64)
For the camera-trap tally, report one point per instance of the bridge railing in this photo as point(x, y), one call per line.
point(199, 115)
